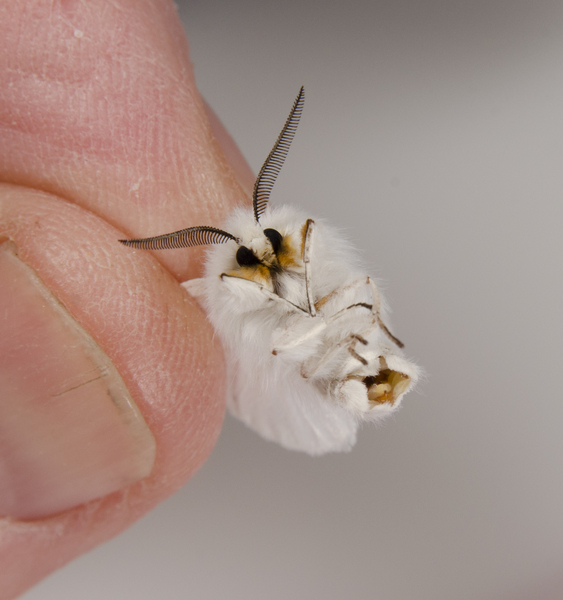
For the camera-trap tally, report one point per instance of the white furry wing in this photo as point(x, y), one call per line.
point(266, 394)
point(287, 409)
point(197, 288)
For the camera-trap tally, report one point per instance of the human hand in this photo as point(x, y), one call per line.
point(103, 135)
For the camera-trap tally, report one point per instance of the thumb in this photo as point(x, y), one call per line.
point(112, 386)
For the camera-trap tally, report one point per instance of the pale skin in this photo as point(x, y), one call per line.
point(114, 141)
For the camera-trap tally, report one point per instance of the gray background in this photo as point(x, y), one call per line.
point(433, 135)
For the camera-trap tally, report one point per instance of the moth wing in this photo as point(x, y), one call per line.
point(283, 407)
point(196, 288)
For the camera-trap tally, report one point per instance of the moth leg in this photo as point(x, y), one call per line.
point(375, 307)
point(307, 244)
point(357, 284)
point(299, 332)
point(312, 366)
point(240, 283)
point(344, 311)
point(352, 348)
point(296, 332)
point(375, 294)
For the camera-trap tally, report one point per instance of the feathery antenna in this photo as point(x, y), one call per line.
point(272, 165)
point(185, 238)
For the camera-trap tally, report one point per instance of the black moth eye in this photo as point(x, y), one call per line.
point(275, 238)
point(246, 258)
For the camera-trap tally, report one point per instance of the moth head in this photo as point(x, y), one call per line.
point(262, 249)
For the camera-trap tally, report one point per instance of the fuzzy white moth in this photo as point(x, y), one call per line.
point(309, 356)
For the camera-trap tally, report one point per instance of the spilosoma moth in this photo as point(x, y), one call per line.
point(309, 356)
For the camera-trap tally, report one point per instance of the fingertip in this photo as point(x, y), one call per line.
point(158, 341)
point(231, 151)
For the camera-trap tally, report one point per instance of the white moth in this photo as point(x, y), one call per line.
point(309, 356)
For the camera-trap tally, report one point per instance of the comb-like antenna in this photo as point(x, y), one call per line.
point(192, 236)
point(272, 165)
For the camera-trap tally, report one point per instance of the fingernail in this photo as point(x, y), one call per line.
point(69, 430)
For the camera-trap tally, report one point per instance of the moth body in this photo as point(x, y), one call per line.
point(309, 355)
point(304, 380)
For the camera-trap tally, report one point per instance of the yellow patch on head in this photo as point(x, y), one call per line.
point(257, 273)
point(304, 236)
point(287, 256)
